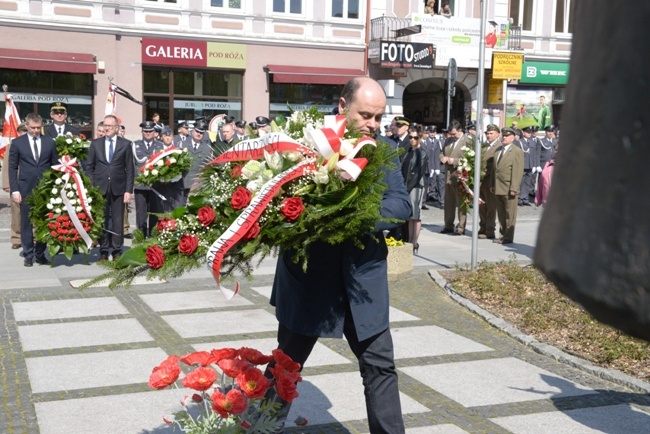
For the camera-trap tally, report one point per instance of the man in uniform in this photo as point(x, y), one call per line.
point(146, 200)
point(240, 130)
point(183, 136)
point(29, 157)
point(528, 179)
point(547, 144)
point(59, 127)
point(201, 153)
point(488, 210)
point(437, 178)
point(471, 131)
point(507, 171)
point(173, 192)
point(263, 125)
point(400, 129)
point(345, 291)
point(449, 156)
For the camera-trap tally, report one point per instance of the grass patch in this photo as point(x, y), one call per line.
point(523, 297)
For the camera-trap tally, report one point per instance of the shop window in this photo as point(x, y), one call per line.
point(156, 81)
point(564, 16)
point(303, 96)
point(287, 6)
point(522, 13)
point(345, 9)
point(226, 4)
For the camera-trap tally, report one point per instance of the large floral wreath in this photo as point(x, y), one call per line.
point(165, 166)
point(267, 193)
point(465, 171)
point(73, 146)
point(66, 210)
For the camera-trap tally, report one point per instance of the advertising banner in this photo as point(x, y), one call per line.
point(507, 66)
point(529, 106)
point(193, 53)
point(545, 73)
point(406, 55)
point(460, 38)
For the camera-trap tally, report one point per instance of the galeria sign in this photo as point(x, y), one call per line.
point(193, 53)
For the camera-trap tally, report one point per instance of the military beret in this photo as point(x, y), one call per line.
point(507, 130)
point(401, 120)
point(492, 127)
point(166, 131)
point(59, 105)
point(148, 126)
point(240, 124)
point(201, 125)
point(262, 121)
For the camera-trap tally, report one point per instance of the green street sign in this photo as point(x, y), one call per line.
point(544, 73)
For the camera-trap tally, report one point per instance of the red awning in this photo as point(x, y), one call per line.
point(47, 61)
point(309, 75)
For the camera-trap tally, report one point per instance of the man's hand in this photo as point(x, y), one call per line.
point(444, 160)
point(437, 172)
point(513, 193)
point(16, 197)
point(127, 197)
point(6, 189)
point(432, 173)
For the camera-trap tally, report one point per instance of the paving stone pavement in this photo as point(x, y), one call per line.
point(78, 362)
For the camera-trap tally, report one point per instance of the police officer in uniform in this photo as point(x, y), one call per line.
point(59, 126)
point(201, 153)
point(528, 180)
point(146, 200)
point(183, 136)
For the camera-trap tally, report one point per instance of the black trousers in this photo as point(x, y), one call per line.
point(27, 234)
point(146, 201)
point(377, 368)
point(114, 222)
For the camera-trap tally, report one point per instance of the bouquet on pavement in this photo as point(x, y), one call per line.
point(165, 166)
point(308, 181)
point(66, 210)
point(229, 392)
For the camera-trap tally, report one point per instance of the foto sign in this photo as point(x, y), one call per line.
point(407, 55)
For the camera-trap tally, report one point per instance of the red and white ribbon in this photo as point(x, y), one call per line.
point(151, 163)
point(468, 190)
point(69, 168)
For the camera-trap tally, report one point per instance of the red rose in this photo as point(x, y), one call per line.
point(165, 374)
point(166, 223)
point(53, 233)
point(155, 256)
point(61, 238)
point(168, 162)
point(236, 171)
point(82, 137)
point(233, 402)
point(188, 244)
point(253, 231)
point(81, 215)
point(240, 198)
point(206, 215)
point(291, 208)
point(253, 383)
point(50, 215)
point(200, 379)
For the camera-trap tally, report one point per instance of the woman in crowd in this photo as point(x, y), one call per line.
point(544, 182)
point(414, 171)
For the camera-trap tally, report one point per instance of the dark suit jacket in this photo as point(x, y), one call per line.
point(314, 303)
point(50, 130)
point(24, 171)
point(116, 177)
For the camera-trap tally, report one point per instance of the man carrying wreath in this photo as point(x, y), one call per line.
point(345, 288)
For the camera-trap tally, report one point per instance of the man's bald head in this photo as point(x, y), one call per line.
point(363, 101)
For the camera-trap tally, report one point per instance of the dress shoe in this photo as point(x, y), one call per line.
point(457, 233)
point(416, 247)
point(502, 241)
point(128, 236)
point(103, 258)
point(42, 260)
point(424, 207)
point(525, 203)
point(116, 257)
point(15, 246)
point(28, 262)
point(445, 231)
point(485, 237)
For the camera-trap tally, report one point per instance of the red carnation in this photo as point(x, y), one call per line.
point(236, 171)
point(253, 231)
point(188, 244)
point(253, 383)
point(291, 208)
point(155, 256)
point(206, 215)
point(200, 379)
point(165, 374)
point(166, 223)
point(233, 367)
point(240, 198)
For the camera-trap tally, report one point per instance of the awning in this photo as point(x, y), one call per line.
point(47, 61)
point(310, 75)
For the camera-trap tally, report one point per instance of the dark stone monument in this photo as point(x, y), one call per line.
point(594, 237)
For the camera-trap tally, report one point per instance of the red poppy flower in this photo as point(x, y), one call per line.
point(291, 208)
point(200, 379)
point(206, 215)
point(202, 358)
point(233, 402)
point(224, 353)
point(254, 356)
point(165, 374)
point(240, 198)
point(155, 256)
point(252, 382)
point(233, 367)
point(188, 244)
point(285, 361)
point(286, 385)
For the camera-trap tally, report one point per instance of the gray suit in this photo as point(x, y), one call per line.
point(200, 157)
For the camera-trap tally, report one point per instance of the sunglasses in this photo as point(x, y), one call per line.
point(414, 137)
point(58, 112)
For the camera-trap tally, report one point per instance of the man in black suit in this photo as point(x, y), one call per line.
point(30, 155)
point(110, 167)
point(400, 128)
point(59, 127)
point(147, 201)
point(345, 288)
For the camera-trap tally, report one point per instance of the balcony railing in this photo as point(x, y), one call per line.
point(514, 39)
point(383, 28)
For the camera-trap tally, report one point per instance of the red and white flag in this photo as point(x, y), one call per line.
point(10, 128)
point(111, 103)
